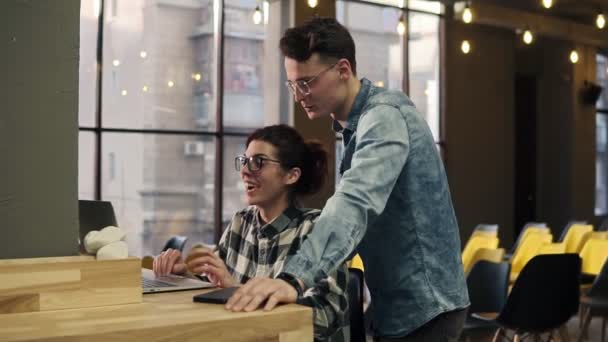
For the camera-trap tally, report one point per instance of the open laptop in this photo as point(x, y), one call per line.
point(96, 215)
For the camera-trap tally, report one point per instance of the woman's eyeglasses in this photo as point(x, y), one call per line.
point(254, 163)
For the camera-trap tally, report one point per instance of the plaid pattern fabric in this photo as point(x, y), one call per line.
point(250, 248)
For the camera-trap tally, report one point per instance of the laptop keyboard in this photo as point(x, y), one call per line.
point(148, 283)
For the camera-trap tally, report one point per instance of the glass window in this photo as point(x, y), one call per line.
point(601, 169)
point(162, 185)
point(88, 63)
point(158, 65)
point(380, 49)
point(86, 165)
point(233, 191)
point(424, 67)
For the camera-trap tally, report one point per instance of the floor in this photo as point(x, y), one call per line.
point(594, 334)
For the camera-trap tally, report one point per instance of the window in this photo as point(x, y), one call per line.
point(601, 165)
point(148, 127)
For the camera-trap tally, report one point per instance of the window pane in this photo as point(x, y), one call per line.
point(160, 185)
point(601, 166)
point(424, 67)
point(243, 66)
point(86, 165)
point(602, 79)
point(88, 63)
point(233, 190)
point(158, 65)
point(379, 47)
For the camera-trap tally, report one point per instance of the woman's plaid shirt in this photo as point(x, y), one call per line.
point(251, 248)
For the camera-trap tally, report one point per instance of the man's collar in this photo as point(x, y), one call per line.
point(355, 112)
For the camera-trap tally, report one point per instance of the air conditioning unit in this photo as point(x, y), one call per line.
point(194, 148)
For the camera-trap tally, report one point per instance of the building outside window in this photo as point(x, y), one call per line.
point(601, 166)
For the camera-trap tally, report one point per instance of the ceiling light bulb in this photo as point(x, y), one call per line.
point(143, 54)
point(547, 3)
point(144, 89)
point(116, 62)
point(465, 47)
point(257, 15)
point(574, 57)
point(313, 3)
point(401, 26)
point(123, 93)
point(467, 15)
point(528, 37)
point(197, 77)
point(170, 84)
point(600, 21)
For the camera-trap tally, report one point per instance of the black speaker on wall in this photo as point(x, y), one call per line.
point(591, 92)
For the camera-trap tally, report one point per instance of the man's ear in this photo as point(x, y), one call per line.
point(344, 68)
point(293, 175)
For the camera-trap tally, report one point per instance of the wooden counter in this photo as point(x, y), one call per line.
point(160, 317)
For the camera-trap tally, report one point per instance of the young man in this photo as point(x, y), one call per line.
point(392, 203)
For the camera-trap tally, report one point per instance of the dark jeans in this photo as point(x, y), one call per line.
point(444, 328)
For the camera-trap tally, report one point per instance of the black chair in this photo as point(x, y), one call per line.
point(567, 228)
point(486, 227)
point(176, 242)
point(603, 226)
point(488, 285)
point(509, 254)
point(355, 304)
point(595, 302)
point(544, 297)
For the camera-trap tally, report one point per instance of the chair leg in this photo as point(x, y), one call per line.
point(516, 338)
point(497, 334)
point(603, 328)
point(583, 331)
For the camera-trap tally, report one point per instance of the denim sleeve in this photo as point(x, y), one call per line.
point(381, 152)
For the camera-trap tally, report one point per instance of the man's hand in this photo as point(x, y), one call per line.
point(256, 291)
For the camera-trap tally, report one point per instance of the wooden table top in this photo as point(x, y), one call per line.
point(161, 317)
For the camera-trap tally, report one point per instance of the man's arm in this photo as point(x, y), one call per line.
point(381, 152)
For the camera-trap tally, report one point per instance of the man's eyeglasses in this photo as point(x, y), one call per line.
point(254, 163)
point(303, 87)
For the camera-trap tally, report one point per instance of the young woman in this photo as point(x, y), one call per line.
point(277, 167)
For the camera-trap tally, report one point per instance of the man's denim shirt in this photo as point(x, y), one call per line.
point(393, 205)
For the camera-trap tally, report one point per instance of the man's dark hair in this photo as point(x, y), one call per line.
point(325, 36)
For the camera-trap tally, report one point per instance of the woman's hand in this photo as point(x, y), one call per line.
point(203, 260)
point(169, 262)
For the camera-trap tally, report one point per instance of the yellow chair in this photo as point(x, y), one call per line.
point(591, 235)
point(574, 236)
point(488, 254)
point(483, 233)
point(552, 248)
point(356, 262)
point(528, 249)
point(475, 243)
point(594, 254)
point(528, 231)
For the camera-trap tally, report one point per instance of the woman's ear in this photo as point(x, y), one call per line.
point(292, 176)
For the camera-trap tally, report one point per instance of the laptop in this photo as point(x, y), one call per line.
point(152, 284)
point(96, 215)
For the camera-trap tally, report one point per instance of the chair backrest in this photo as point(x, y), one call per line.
point(355, 304)
point(599, 289)
point(567, 228)
point(527, 229)
point(528, 249)
point(488, 285)
point(575, 235)
point(545, 295)
point(356, 262)
point(603, 226)
point(594, 254)
point(176, 242)
point(475, 243)
point(487, 254)
point(552, 248)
